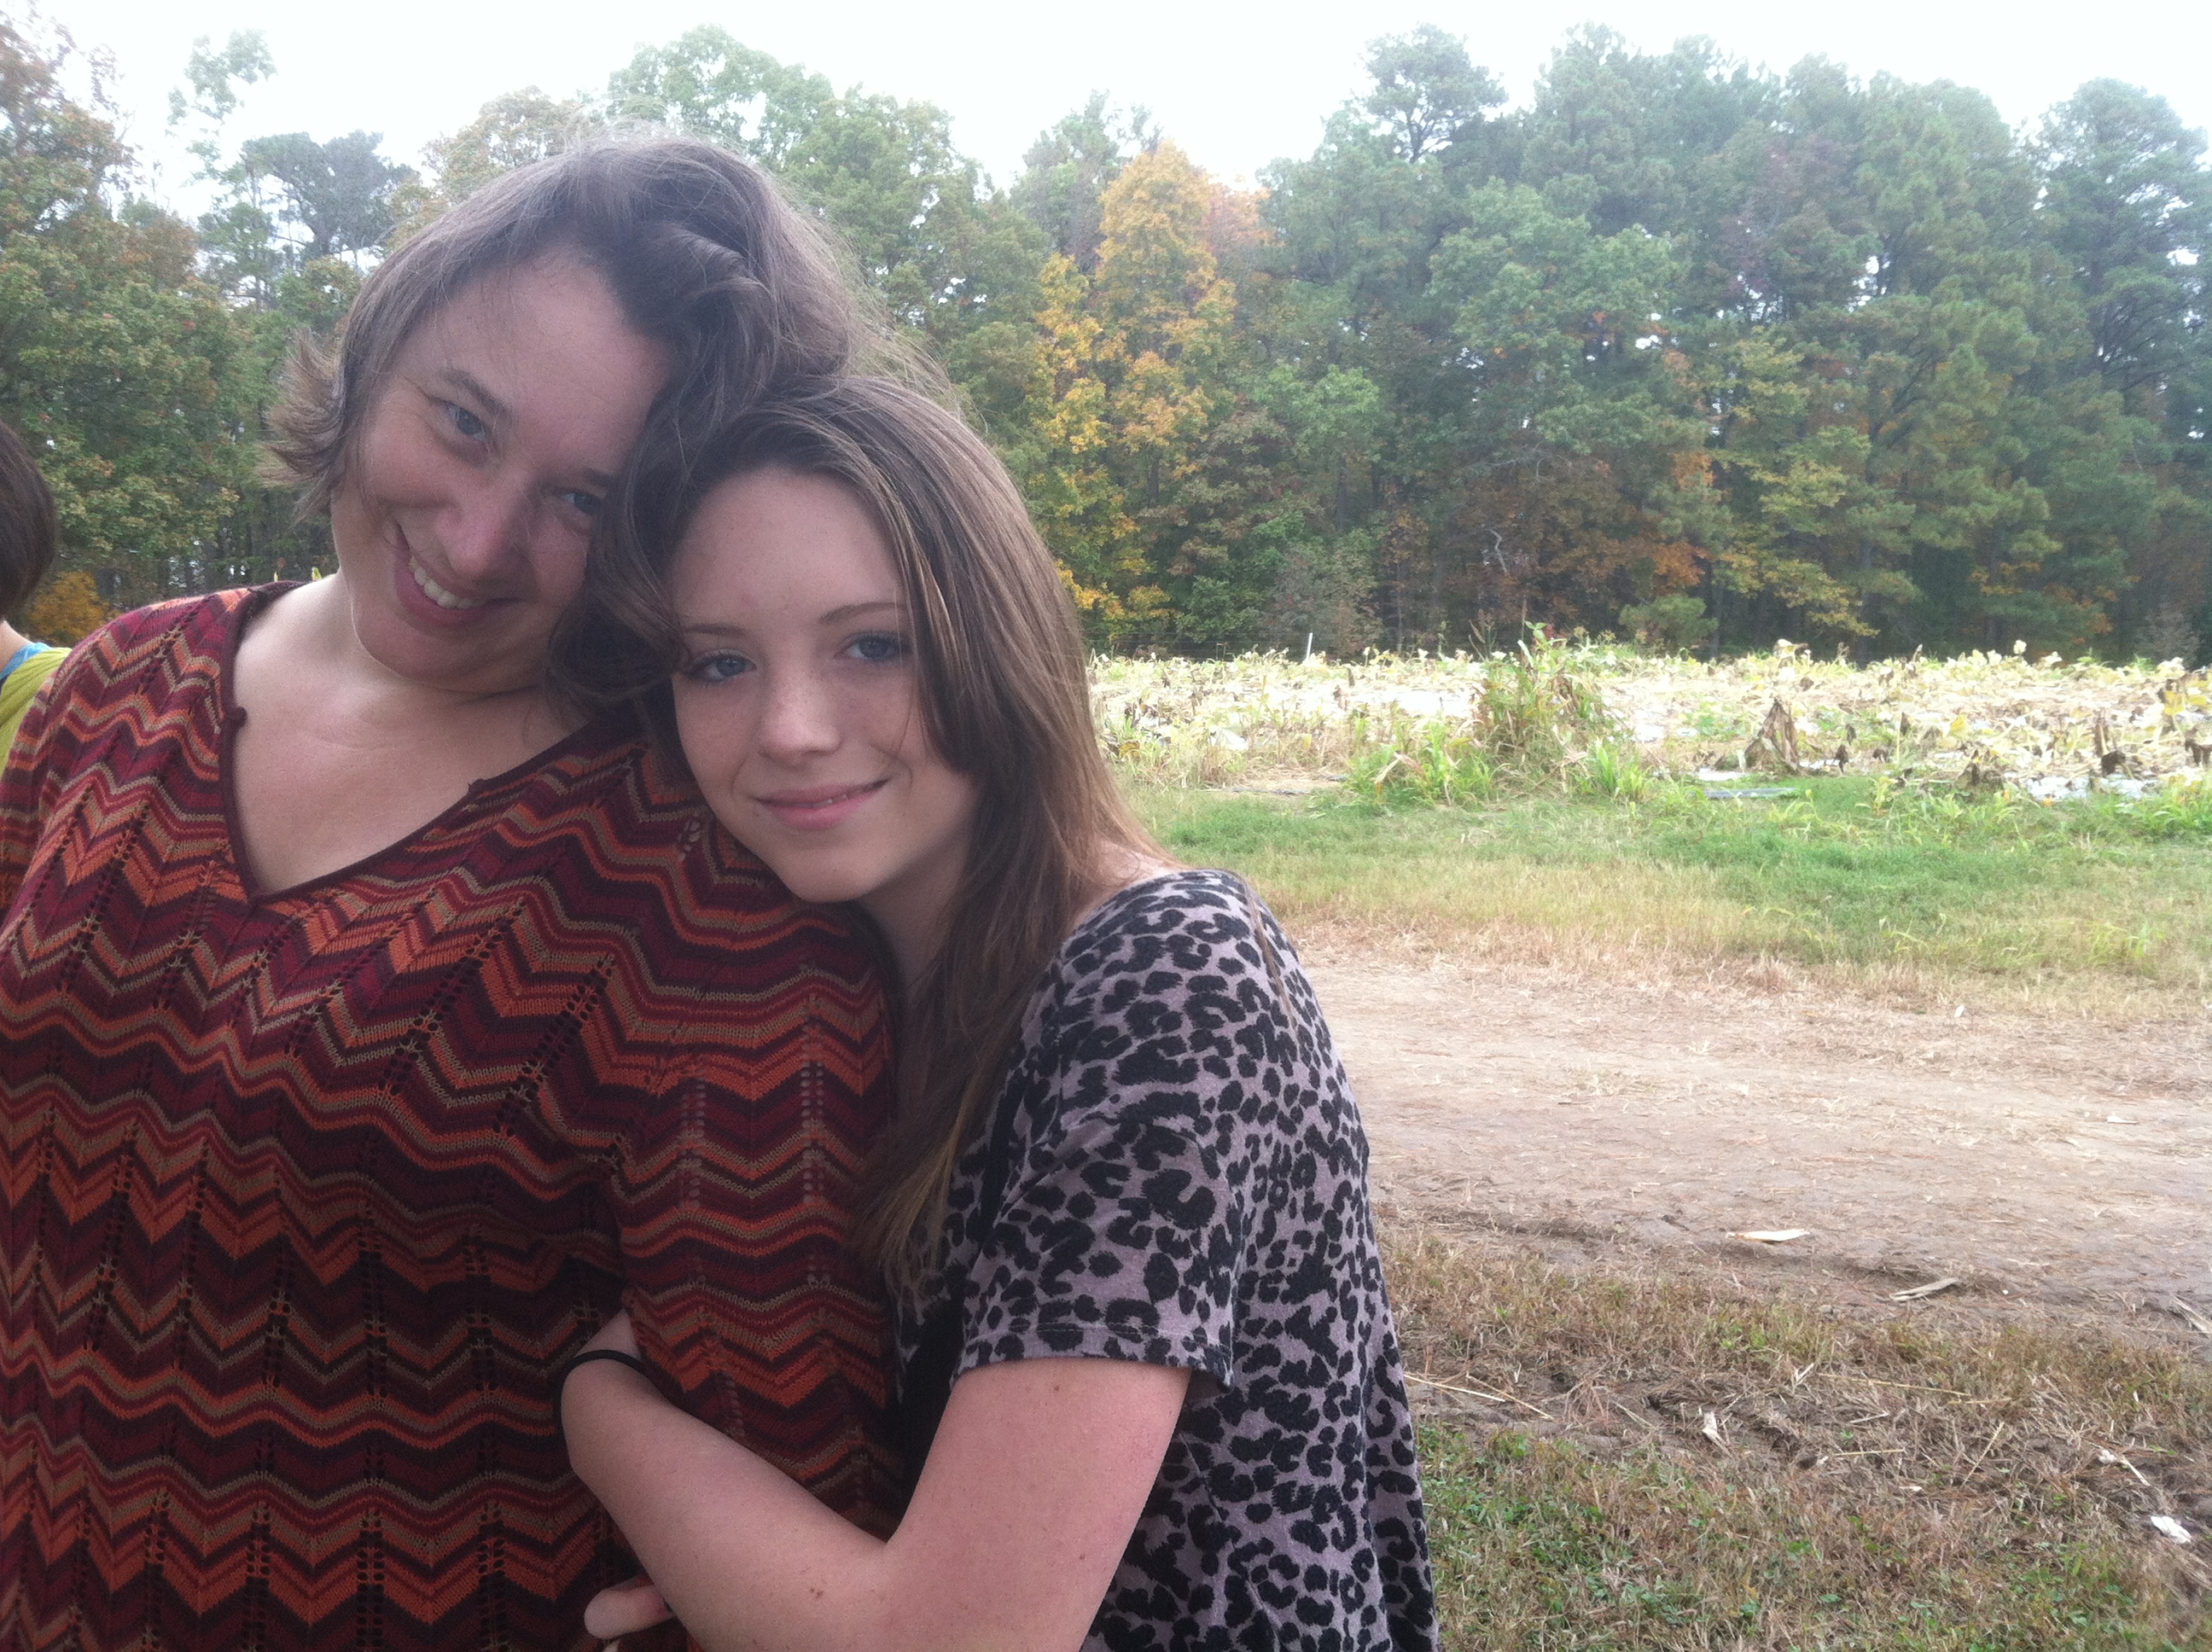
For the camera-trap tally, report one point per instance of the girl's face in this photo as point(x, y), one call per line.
point(799, 705)
point(463, 519)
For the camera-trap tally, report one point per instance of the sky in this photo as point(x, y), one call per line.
point(1236, 84)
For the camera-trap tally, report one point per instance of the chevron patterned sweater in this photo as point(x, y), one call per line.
point(304, 1197)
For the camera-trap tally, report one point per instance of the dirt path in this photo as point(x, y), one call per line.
point(2063, 1162)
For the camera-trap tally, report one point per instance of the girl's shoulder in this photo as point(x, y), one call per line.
point(1183, 917)
point(1186, 955)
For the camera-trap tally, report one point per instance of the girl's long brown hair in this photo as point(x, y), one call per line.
point(1005, 696)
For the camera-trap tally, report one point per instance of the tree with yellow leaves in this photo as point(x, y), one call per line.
point(1130, 398)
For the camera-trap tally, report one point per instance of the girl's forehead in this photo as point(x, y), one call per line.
point(783, 547)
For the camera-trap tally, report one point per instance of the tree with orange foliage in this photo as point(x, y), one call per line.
point(69, 610)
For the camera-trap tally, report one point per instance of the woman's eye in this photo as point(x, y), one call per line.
point(717, 668)
point(465, 423)
point(878, 648)
point(583, 504)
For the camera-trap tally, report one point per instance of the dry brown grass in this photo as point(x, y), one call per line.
point(1621, 1458)
point(1692, 957)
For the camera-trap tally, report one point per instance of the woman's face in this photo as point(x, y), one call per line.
point(466, 511)
point(798, 704)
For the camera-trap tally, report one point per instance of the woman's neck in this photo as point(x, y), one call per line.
point(12, 642)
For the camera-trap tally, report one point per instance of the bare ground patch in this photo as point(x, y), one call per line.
point(2034, 1160)
point(1645, 1434)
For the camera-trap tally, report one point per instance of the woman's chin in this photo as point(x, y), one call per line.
point(491, 660)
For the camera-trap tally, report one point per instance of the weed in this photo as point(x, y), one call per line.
point(1609, 770)
point(1996, 718)
point(1433, 763)
point(1530, 724)
point(2175, 811)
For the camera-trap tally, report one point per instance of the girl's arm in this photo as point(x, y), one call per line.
point(1039, 1472)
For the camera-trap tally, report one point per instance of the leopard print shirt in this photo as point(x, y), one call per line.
point(1185, 1183)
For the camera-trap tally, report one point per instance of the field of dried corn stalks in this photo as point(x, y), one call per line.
point(2047, 729)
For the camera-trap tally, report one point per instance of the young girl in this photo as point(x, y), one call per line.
point(1149, 1376)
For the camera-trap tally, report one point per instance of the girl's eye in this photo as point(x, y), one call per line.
point(878, 648)
point(465, 423)
point(717, 667)
point(582, 503)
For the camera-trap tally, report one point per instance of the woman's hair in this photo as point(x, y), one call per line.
point(703, 253)
point(27, 527)
point(1005, 698)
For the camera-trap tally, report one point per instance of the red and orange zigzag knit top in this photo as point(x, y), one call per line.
point(303, 1199)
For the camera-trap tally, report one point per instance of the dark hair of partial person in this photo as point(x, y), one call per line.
point(1006, 700)
point(28, 530)
point(703, 253)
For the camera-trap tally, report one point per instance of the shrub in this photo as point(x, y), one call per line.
point(1674, 624)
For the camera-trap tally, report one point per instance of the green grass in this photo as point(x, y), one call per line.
point(2103, 904)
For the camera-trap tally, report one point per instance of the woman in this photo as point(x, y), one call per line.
point(1152, 1385)
point(372, 1026)
point(27, 551)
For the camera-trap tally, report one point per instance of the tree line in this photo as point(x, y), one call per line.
point(1683, 348)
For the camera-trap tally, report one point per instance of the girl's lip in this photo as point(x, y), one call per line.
point(816, 808)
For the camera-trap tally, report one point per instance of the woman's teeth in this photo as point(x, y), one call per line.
point(437, 593)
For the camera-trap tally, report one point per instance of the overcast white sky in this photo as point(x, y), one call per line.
point(1237, 84)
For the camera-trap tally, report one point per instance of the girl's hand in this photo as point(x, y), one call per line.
point(625, 1609)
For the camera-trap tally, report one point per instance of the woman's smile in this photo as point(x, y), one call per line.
point(437, 593)
point(426, 599)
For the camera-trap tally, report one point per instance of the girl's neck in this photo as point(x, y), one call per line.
point(913, 917)
point(12, 642)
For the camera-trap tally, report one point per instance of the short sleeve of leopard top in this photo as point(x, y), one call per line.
point(1186, 1184)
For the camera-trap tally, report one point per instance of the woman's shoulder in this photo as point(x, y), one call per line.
point(188, 631)
point(607, 817)
point(209, 614)
point(141, 657)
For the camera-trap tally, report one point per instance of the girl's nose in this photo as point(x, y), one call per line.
point(800, 718)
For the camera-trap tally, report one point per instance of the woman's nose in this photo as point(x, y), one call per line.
point(488, 528)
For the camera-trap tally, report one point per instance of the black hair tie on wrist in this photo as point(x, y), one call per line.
point(560, 1379)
